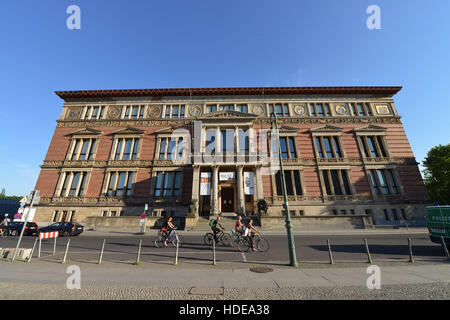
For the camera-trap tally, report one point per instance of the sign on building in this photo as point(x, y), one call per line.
point(249, 183)
point(226, 176)
point(205, 184)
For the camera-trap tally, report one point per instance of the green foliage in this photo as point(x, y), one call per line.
point(437, 173)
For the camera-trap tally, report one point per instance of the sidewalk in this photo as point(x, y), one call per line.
point(109, 232)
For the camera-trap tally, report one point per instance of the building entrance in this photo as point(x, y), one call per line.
point(227, 199)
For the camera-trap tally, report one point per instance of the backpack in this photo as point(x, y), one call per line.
point(212, 222)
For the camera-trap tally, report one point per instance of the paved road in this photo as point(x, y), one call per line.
point(309, 248)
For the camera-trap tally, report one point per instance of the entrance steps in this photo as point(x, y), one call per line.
point(227, 220)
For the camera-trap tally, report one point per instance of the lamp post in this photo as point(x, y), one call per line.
point(291, 242)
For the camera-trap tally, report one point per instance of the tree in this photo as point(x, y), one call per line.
point(3, 193)
point(437, 173)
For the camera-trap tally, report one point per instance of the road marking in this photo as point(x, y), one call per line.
point(244, 257)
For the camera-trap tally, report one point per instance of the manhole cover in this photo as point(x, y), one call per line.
point(261, 269)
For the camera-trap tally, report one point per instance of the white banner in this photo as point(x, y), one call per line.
point(249, 183)
point(205, 183)
point(226, 176)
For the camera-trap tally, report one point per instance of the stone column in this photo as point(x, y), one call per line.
point(240, 188)
point(215, 191)
point(259, 183)
point(195, 187)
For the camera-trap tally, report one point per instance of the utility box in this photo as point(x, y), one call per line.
point(438, 223)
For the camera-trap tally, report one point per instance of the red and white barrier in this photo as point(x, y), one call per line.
point(48, 235)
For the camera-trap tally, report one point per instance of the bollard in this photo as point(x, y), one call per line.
point(54, 247)
point(411, 257)
point(101, 252)
point(176, 254)
point(32, 250)
point(65, 253)
point(39, 251)
point(367, 250)
point(445, 247)
point(329, 252)
point(214, 252)
point(139, 253)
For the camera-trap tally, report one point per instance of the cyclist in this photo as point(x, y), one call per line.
point(167, 229)
point(250, 231)
point(213, 224)
point(4, 225)
point(238, 226)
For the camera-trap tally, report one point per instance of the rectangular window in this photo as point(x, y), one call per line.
point(134, 112)
point(319, 147)
point(94, 113)
point(336, 182)
point(319, 110)
point(74, 184)
point(293, 186)
point(287, 147)
point(175, 111)
point(168, 184)
point(126, 149)
point(242, 108)
point(360, 109)
point(211, 108)
point(121, 184)
point(83, 149)
point(328, 147)
point(280, 110)
point(383, 181)
point(226, 107)
point(171, 148)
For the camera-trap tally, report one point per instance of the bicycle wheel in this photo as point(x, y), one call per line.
point(226, 239)
point(262, 245)
point(208, 239)
point(180, 241)
point(234, 240)
point(243, 245)
point(159, 242)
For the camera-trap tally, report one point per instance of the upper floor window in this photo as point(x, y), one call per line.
point(171, 148)
point(168, 184)
point(373, 146)
point(242, 108)
point(287, 147)
point(226, 107)
point(336, 182)
point(73, 184)
point(120, 183)
point(134, 112)
point(293, 183)
point(211, 108)
point(360, 109)
point(280, 110)
point(126, 149)
point(328, 147)
point(319, 110)
point(83, 149)
point(94, 113)
point(175, 111)
point(383, 181)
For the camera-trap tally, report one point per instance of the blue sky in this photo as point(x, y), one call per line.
point(207, 43)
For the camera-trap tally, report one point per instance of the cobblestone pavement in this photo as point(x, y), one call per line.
point(25, 291)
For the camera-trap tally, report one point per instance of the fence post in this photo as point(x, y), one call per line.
point(445, 247)
point(101, 252)
point(367, 250)
point(214, 252)
point(67, 250)
point(411, 257)
point(39, 251)
point(54, 247)
point(139, 253)
point(329, 252)
point(176, 254)
point(32, 250)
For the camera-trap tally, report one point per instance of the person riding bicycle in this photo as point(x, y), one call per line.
point(238, 226)
point(250, 231)
point(213, 224)
point(4, 225)
point(167, 229)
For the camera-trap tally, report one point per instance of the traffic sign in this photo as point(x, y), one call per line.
point(17, 216)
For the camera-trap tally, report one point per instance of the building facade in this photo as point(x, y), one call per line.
point(211, 150)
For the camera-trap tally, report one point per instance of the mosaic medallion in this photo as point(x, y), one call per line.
point(114, 112)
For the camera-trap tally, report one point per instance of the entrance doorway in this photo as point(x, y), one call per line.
point(227, 199)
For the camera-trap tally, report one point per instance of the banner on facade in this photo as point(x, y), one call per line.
point(205, 183)
point(249, 183)
point(226, 176)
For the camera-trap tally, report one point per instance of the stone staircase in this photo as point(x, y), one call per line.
point(227, 220)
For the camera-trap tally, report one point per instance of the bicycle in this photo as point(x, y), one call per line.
point(235, 238)
point(223, 237)
point(259, 243)
point(174, 238)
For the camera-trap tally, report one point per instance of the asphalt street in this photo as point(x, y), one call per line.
point(309, 248)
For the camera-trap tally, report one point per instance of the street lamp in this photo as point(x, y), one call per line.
point(291, 242)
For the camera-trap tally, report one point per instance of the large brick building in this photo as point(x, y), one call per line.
point(211, 150)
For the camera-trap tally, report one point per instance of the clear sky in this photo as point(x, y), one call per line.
point(136, 44)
